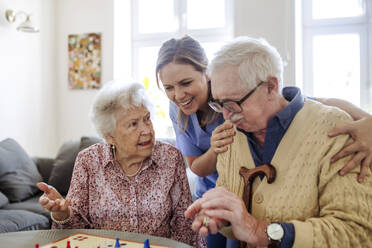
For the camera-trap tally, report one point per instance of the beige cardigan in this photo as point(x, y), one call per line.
point(326, 209)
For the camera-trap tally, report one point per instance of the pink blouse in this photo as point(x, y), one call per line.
point(153, 202)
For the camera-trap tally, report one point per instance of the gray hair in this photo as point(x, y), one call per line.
point(112, 96)
point(256, 60)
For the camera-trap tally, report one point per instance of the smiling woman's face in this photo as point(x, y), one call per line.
point(185, 86)
point(134, 135)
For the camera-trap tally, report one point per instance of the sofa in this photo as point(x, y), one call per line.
point(19, 197)
point(19, 206)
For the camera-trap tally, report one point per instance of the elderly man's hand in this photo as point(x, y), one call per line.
point(360, 131)
point(223, 206)
point(222, 136)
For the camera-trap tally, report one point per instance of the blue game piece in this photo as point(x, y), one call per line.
point(146, 244)
point(117, 243)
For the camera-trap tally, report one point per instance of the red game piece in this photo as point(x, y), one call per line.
point(36, 245)
point(68, 244)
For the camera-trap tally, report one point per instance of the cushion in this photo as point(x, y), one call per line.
point(86, 141)
point(32, 204)
point(3, 200)
point(64, 164)
point(18, 173)
point(21, 220)
point(60, 176)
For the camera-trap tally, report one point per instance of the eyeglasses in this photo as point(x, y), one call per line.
point(230, 105)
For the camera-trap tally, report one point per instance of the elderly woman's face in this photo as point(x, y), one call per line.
point(134, 134)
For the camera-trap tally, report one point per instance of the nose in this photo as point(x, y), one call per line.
point(226, 114)
point(145, 127)
point(179, 93)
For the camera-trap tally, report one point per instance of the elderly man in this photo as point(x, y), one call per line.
point(308, 204)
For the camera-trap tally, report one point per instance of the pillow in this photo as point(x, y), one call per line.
point(3, 200)
point(63, 166)
point(18, 173)
point(86, 141)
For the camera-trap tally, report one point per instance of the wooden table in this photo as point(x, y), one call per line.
point(28, 239)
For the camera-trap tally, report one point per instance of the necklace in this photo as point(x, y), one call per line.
point(135, 173)
point(128, 175)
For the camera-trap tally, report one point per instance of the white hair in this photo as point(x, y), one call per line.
point(112, 96)
point(256, 60)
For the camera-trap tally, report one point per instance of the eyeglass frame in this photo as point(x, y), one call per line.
point(223, 104)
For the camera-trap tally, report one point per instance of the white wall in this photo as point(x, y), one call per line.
point(27, 78)
point(273, 20)
point(77, 17)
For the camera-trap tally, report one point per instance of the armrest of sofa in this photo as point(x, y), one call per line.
point(45, 166)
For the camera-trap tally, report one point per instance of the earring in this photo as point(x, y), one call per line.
point(113, 151)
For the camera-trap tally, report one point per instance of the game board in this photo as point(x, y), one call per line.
point(83, 240)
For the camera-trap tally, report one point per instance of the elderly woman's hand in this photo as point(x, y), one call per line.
point(222, 136)
point(52, 201)
point(360, 131)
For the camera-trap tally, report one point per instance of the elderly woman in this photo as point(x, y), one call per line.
point(130, 182)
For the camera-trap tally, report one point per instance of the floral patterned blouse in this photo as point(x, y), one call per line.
point(153, 202)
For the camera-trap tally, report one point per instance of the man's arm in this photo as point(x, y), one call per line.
point(345, 218)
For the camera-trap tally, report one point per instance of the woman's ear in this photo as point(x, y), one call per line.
point(109, 138)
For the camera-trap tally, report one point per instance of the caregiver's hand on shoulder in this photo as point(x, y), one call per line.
point(360, 131)
point(53, 202)
point(222, 136)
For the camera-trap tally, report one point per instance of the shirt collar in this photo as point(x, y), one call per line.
point(108, 156)
point(285, 116)
point(296, 102)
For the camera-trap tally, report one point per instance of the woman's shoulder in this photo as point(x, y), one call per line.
point(96, 152)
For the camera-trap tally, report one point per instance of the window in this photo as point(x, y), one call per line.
point(154, 22)
point(337, 50)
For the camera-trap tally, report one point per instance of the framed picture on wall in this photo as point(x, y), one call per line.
point(84, 61)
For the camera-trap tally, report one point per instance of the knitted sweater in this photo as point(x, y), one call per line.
point(327, 210)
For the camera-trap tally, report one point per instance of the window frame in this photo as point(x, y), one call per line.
point(141, 40)
point(361, 25)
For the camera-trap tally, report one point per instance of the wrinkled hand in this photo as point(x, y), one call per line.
point(52, 201)
point(360, 131)
point(223, 206)
point(222, 136)
point(214, 224)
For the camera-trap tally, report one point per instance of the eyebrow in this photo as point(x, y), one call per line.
point(185, 79)
point(224, 100)
point(178, 82)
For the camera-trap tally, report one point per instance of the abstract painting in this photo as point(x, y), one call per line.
point(84, 61)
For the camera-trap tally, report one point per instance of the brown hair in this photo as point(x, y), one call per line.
point(185, 50)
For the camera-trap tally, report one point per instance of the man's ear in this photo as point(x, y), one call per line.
point(273, 85)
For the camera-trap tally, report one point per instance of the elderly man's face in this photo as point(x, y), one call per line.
point(225, 86)
point(134, 134)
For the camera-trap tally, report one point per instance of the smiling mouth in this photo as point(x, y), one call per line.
point(186, 103)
